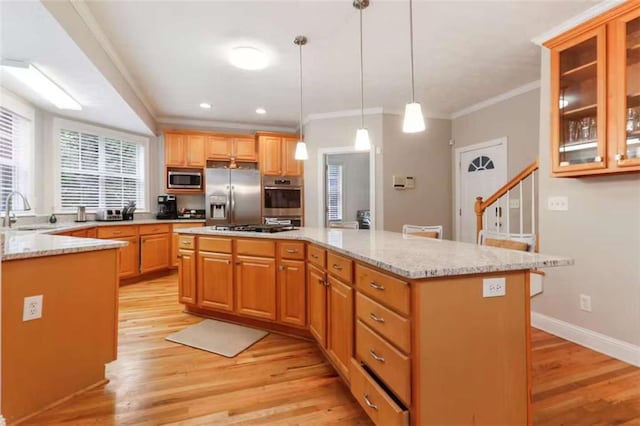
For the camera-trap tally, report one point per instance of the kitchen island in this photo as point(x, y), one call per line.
point(422, 330)
point(48, 359)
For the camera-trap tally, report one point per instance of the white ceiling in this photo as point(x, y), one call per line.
point(29, 33)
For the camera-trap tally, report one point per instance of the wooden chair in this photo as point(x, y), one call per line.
point(434, 231)
point(344, 225)
point(522, 242)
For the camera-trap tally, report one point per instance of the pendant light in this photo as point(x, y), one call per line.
point(301, 146)
point(413, 119)
point(362, 135)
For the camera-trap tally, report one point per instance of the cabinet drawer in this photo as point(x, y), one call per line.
point(374, 400)
point(219, 245)
point(387, 290)
point(391, 365)
point(290, 250)
point(256, 248)
point(316, 255)
point(187, 242)
point(341, 267)
point(117, 231)
point(395, 328)
point(161, 228)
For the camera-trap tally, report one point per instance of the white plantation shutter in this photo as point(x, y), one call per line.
point(15, 173)
point(334, 192)
point(100, 171)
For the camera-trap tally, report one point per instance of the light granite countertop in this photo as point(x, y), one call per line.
point(35, 240)
point(408, 256)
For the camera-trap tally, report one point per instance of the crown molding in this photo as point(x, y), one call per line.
point(497, 99)
point(578, 19)
point(213, 124)
point(342, 113)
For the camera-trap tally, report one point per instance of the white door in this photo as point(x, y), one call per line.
point(481, 171)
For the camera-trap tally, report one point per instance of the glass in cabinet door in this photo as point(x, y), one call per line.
point(632, 110)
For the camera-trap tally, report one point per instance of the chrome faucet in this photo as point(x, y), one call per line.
point(8, 220)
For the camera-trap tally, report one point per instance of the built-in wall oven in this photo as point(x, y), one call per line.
point(282, 197)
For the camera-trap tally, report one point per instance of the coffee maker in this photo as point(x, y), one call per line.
point(167, 207)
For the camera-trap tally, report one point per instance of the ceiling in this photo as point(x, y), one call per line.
point(29, 33)
point(175, 53)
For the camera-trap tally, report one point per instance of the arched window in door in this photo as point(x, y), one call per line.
point(481, 163)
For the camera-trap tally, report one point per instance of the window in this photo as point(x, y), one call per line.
point(334, 192)
point(15, 156)
point(98, 168)
point(481, 163)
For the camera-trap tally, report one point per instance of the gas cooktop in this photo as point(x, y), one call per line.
point(255, 228)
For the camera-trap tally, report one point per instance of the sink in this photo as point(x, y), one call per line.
point(34, 227)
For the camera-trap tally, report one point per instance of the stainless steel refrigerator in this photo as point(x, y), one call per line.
point(233, 195)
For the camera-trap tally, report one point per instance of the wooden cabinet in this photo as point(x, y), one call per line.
point(215, 281)
point(277, 152)
point(256, 287)
point(244, 149)
point(187, 276)
point(595, 95)
point(154, 252)
point(189, 241)
point(317, 303)
point(226, 147)
point(292, 293)
point(340, 330)
point(129, 257)
point(217, 147)
point(184, 150)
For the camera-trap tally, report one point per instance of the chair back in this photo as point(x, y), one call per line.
point(344, 225)
point(434, 231)
point(522, 242)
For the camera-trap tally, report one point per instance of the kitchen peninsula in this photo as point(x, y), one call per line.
point(422, 330)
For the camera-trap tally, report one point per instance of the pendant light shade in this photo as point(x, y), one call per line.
point(362, 134)
point(413, 119)
point(301, 147)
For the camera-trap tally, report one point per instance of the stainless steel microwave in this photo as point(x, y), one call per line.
point(177, 179)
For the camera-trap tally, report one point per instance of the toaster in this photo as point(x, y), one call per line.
point(108, 215)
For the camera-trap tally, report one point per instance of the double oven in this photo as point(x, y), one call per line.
point(282, 200)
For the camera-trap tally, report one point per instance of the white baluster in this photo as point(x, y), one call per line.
point(521, 218)
point(508, 212)
point(533, 202)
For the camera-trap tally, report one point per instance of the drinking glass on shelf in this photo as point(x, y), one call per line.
point(632, 119)
point(585, 128)
point(593, 128)
point(574, 131)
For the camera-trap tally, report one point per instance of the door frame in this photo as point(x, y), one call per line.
point(502, 141)
point(322, 153)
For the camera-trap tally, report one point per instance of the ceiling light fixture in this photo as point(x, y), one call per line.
point(362, 134)
point(301, 146)
point(413, 118)
point(40, 83)
point(248, 58)
point(261, 111)
point(205, 105)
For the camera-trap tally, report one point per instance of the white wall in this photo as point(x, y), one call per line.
point(601, 231)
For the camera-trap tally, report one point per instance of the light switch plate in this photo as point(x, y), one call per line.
point(558, 203)
point(32, 308)
point(494, 287)
point(514, 204)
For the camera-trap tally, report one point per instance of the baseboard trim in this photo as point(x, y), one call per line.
point(2, 421)
point(599, 342)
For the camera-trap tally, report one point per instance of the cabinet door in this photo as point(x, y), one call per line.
point(129, 257)
point(317, 304)
point(154, 252)
point(174, 149)
point(340, 317)
point(292, 293)
point(291, 166)
point(270, 155)
point(187, 277)
point(175, 252)
point(578, 104)
point(256, 287)
point(244, 149)
point(215, 281)
point(218, 148)
point(195, 151)
point(625, 81)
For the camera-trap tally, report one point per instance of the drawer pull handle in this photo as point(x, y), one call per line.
point(375, 317)
point(117, 232)
point(228, 262)
point(375, 356)
point(315, 256)
point(291, 251)
point(369, 403)
point(186, 243)
point(282, 267)
point(375, 286)
point(338, 267)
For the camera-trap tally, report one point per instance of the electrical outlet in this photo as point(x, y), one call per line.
point(585, 303)
point(514, 203)
point(558, 203)
point(494, 287)
point(32, 308)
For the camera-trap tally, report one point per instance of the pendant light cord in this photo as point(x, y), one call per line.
point(413, 90)
point(361, 75)
point(300, 46)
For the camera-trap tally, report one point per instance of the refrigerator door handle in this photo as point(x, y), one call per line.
point(233, 204)
point(228, 207)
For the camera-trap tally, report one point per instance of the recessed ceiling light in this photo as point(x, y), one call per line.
point(248, 58)
point(205, 105)
point(261, 111)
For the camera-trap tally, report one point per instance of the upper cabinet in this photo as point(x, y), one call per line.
point(227, 147)
point(277, 152)
point(184, 150)
point(595, 96)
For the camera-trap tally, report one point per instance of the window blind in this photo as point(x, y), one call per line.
point(14, 153)
point(100, 171)
point(334, 192)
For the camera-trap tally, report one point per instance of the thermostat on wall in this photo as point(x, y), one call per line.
point(404, 182)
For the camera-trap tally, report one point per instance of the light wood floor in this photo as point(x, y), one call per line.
point(282, 380)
